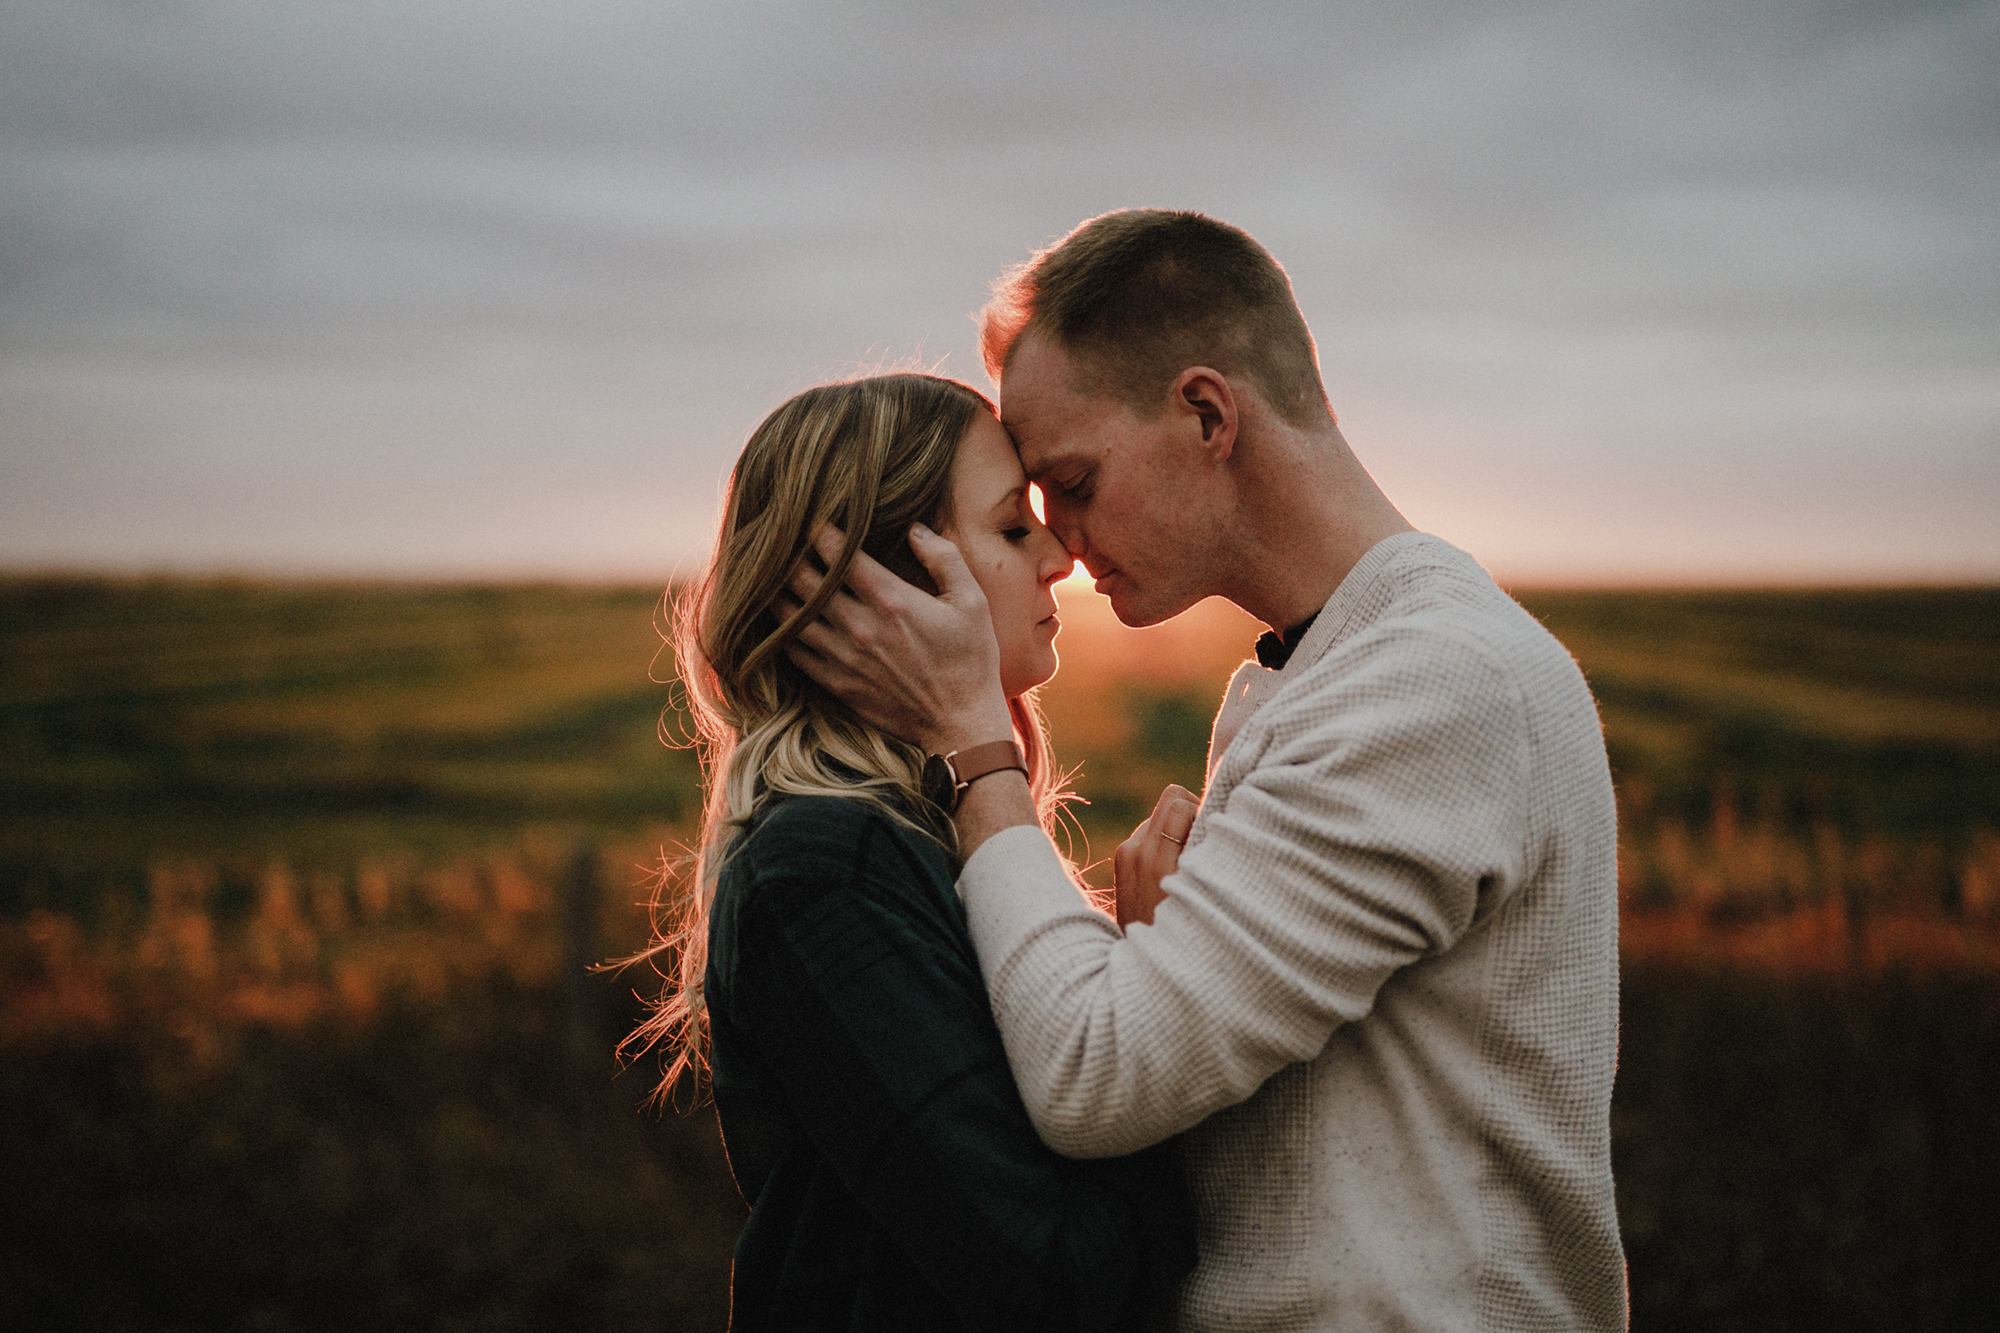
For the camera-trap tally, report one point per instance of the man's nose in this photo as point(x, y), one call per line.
point(1057, 563)
point(1067, 530)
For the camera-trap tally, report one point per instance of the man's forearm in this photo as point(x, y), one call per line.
point(995, 802)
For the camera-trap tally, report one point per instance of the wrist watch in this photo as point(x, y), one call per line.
point(946, 776)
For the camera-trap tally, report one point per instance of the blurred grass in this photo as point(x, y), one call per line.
point(291, 993)
point(1864, 708)
point(316, 722)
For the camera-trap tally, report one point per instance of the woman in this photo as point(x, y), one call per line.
point(823, 965)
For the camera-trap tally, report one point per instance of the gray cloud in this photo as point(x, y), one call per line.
point(277, 279)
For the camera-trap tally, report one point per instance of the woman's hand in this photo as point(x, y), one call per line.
point(1151, 854)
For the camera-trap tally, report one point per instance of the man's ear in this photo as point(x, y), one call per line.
point(1204, 395)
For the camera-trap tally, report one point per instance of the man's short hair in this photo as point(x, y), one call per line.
point(1138, 296)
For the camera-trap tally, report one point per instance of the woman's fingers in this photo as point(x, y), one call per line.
point(1151, 854)
point(1131, 900)
point(1173, 814)
point(1177, 811)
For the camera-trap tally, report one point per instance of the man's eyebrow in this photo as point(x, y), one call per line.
point(1046, 466)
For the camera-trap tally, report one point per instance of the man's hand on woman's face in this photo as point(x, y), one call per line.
point(924, 668)
point(1151, 854)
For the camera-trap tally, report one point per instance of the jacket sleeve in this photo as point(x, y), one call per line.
point(1382, 810)
point(870, 1012)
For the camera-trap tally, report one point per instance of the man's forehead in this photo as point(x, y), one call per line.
point(1043, 453)
point(1041, 407)
point(1037, 377)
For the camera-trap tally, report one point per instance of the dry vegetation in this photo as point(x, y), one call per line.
point(292, 931)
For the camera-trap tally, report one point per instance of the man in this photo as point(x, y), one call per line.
point(1377, 997)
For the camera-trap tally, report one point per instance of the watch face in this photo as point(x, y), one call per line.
point(940, 783)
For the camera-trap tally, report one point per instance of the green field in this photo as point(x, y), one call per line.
point(326, 721)
point(297, 880)
point(321, 721)
point(1863, 708)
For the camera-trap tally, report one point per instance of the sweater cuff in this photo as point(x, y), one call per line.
point(1014, 886)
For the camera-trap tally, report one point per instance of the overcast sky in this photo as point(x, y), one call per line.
point(1686, 291)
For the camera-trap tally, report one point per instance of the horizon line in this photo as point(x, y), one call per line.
point(1072, 585)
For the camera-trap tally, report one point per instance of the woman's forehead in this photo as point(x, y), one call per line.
point(987, 471)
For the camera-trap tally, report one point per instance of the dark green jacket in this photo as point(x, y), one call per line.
point(893, 1176)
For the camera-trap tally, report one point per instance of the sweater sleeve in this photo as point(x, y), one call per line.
point(1384, 811)
point(870, 1011)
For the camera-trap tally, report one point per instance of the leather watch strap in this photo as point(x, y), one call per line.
point(979, 761)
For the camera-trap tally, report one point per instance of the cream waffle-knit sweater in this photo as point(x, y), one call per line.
point(1380, 1003)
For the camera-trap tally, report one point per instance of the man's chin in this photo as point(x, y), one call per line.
point(1133, 612)
point(1137, 611)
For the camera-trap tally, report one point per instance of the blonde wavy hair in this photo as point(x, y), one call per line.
point(870, 456)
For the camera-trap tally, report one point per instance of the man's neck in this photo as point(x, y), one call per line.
point(1307, 512)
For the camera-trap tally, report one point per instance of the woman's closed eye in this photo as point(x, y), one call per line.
point(1015, 533)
